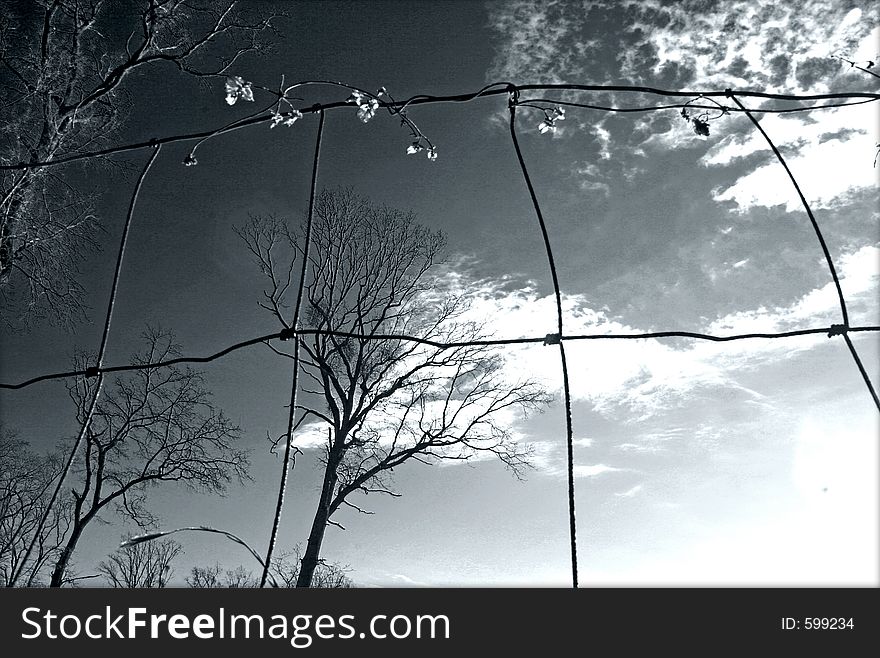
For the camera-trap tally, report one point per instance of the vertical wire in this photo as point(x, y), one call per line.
point(565, 386)
point(861, 367)
point(276, 521)
point(100, 362)
point(822, 243)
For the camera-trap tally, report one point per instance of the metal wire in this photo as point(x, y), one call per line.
point(569, 438)
point(287, 335)
point(105, 335)
point(822, 243)
point(288, 449)
point(678, 106)
point(424, 99)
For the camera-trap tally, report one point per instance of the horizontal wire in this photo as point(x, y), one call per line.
point(425, 99)
point(676, 106)
point(286, 334)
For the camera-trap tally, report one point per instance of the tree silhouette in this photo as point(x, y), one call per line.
point(374, 270)
point(154, 425)
point(285, 573)
point(25, 483)
point(64, 72)
point(141, 565)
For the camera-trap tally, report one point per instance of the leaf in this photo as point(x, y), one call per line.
point(276, 119)
point(190, 161)
point(367, 106)
point(559, 113)
point(701, 127)
point(415, 147)
point(293, 117)
point(546, 126)
point(432, 154)
point(232, 86)
point(237, 88)
point(365, 113)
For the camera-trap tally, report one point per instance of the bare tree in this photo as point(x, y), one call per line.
point(372, 270)
point(25, 482)
point(206, 577)
point(328, 575)
point(154, 425)
point(285, 571)
point(216, 576)
point(64, 72)
point(141, 565)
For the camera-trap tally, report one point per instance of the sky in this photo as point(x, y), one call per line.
point(710, 464)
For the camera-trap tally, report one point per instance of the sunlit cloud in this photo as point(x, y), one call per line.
point(630, 493)
point(592, 470)
point(831, 157)
point(648, 375)
point(643, 378)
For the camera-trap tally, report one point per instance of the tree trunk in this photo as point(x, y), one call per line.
point(64, 559)
point(312, 554)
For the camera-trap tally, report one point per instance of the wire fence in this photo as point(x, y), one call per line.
point(699, 100)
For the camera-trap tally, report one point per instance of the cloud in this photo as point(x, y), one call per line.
point(592, 178)
point(591, 471)
point(310, 436)
point(653, 442)
point(859, 274)
point(629, 493)
point(768, 46)
point(637, 380)
point(648, 376)
point(387, 579)
point(401, 580)
point(776, 46)
point(829, 158)
point(536, 40)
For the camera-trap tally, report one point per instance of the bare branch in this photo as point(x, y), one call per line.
point(370, 272)
point(65, 88)
point(152, 427)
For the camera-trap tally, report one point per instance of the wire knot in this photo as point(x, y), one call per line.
point(93, 371)
point(837, 330)
point(513, 99)
point(287, 334)
point(728, 92)
point(552, 339)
